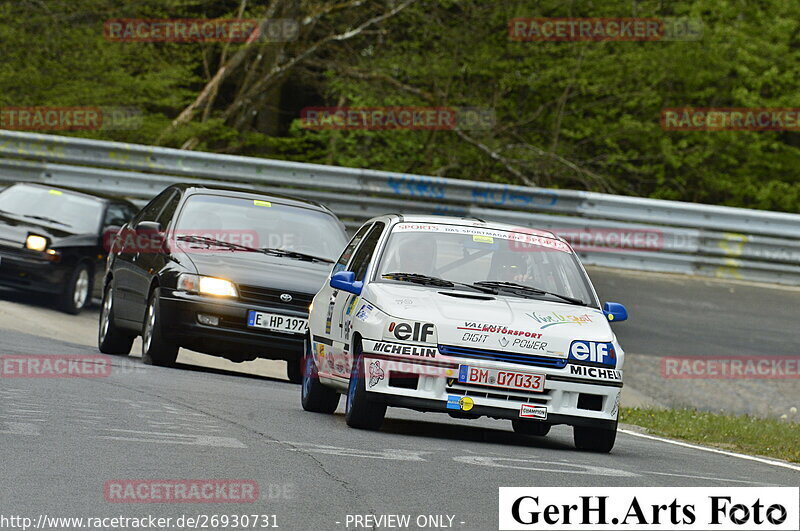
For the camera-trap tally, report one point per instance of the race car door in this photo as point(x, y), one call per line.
point(344, 304)
point(323, 343)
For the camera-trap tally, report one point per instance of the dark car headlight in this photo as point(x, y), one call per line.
point(204, 285)
point(34, 242)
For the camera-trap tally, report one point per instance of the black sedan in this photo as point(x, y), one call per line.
point(221, 271)
point(52, 240)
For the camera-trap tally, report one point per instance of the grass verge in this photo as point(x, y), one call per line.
point(751, 435)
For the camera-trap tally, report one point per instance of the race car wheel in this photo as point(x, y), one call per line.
point(595, 439)
point(315, 396)
point(531, 427)
point(294, 370)
point(78, 292)
point(360, 411)
point(110, 338)
point(156, 349)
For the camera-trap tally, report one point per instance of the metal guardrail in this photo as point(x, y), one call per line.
point(678, 237)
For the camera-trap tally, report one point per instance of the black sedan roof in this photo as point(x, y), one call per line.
point(88, 193)
point(232, 191)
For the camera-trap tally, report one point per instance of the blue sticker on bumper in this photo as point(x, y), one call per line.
point(453, 402)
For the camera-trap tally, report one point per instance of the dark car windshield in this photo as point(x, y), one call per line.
point(54, 208)
point(262, 224)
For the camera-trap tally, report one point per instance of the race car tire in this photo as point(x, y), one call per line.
point(294, 370)
point(599, 440)
point(110, 338)
point(156, 349)
point(531, 427)
point(315, 396)
point(78, 293)
point(361, 412)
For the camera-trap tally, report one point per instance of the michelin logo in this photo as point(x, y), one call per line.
point(595, 372)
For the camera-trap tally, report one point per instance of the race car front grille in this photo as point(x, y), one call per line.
point(506, 357)
point(272, 297)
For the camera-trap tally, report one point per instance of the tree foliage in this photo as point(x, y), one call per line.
point(581, 115)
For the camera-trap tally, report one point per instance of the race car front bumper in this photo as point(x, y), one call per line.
point(432, 384)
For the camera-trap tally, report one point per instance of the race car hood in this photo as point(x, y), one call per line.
point(258, 269)
point(493, 322)
point(13, 233)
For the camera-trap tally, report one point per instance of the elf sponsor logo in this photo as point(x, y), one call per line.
point(592, 352)
point(673, 508)
point(420, 332)
point(405, 350)
point(595, 372)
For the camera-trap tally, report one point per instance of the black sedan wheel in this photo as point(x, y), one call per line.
point(78, 291)
point(294, 370)
point(156, 349)
point(110, 338)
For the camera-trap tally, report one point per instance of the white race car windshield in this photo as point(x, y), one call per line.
point(469, 254)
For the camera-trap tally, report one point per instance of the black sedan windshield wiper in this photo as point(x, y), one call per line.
point(213, 241)
point(521, 288)
point(436, 281)
point(294, 254)
point(45, 218)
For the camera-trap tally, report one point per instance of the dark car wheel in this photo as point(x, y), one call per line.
point(294, 370)
point(110, 338)
point(76, 295)
point(315, 396)
point(531, 427)
point(156, 349)
point(360, 411)
point(595, 439)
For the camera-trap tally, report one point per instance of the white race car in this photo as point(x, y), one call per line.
point(466, 317)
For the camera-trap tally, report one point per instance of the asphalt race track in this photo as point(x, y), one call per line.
point(63, 439)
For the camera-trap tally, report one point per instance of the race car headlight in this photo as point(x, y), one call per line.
point(207, 285)
point(36, 243)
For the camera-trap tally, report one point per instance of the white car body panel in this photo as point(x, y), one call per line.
point(511, 328)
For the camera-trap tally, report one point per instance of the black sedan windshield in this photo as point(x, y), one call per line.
point(56, 208)
point(262, 224)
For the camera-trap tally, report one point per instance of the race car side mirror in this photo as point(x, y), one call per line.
point(346, 281)
point(615, 312)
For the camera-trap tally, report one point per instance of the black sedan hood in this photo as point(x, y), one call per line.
point(258, 269)
point(14, 232)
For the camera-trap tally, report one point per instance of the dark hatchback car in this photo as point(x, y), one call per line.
point(221, 271)
point(52, 240)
